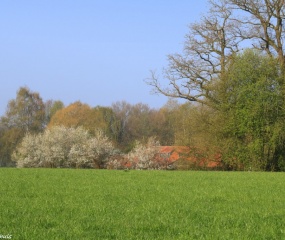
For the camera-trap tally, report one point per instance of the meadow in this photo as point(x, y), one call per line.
point(109, 204)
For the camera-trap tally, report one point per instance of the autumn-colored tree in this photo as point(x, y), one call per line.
point(79, 114)
point(75, 115)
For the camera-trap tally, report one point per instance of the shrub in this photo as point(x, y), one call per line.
point(143, 156)
point(63, 147)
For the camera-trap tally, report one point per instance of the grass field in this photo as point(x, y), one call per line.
point(101, 204)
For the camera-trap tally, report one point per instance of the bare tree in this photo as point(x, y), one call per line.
point(210, 44)
point(208, 47)
point(262, 22)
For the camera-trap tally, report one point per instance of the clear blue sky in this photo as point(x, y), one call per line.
point(95, 51)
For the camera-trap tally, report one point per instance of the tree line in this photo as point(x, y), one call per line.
point(232, 74)
point(29, 120)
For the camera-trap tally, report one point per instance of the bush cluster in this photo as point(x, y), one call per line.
point(64, 147)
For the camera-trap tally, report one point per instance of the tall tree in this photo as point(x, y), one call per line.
point(207, 50)
point(225, 30)
point(122, 111)
point(253, 106)
point(75, 115)
point(162, 126)
point(112, 124)
point(137, 122)
point(79, 114)
point(201, 73)
point(139, 125)
point(24, 114)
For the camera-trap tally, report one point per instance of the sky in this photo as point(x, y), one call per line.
point(95, 51)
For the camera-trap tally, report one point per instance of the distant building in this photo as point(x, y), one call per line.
point(186, 158)
point(169, 158)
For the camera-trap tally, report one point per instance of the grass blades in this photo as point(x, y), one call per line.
point(102, 204)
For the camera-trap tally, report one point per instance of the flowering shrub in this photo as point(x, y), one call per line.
point(95, 150)
point(143, 156)
point(63, 147)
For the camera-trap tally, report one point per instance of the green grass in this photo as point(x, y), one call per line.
point(99, 204)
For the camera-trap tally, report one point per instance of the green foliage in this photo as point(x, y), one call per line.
point(191, 125)
point(251, 101)
point(90, 204)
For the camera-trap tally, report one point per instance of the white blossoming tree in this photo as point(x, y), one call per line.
point(143, 156)
point(64, 147)
point(93, 153)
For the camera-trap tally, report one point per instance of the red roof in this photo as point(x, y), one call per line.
point(196, 156)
